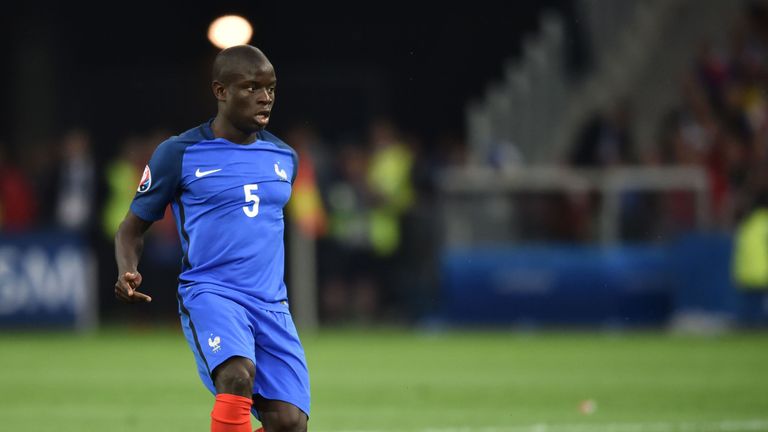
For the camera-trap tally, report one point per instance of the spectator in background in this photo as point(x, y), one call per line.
point(367, 203)
point(750, 256)
point(605, 140)
point(683, 142)
point(18, 201)
point(121, 175)
point(389, 180)
point(306, 207)
point(75, 183)
point(418, 256)
point(711, 70)
point(348, 287)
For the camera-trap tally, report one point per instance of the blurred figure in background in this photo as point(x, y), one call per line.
point(121, 176)
point(306, 205)
point(390, 179)
point(18, 200)
point(750, 256)
point(367, 203)
point(417, 285)
point(605, 140)
point(75, 183)
point(348, 289)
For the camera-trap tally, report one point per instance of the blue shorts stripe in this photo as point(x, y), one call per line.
point(185, 312)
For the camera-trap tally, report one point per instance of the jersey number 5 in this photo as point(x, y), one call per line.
point(253, 210)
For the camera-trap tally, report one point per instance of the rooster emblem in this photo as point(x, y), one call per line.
point(214, 343)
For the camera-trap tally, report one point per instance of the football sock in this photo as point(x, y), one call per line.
point(231, 413)
point(261, 429)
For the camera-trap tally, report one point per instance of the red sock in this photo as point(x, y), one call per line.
point(261, 429)
point(231, 413)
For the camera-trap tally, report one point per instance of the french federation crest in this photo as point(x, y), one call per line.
point(280, 172)
point(214, 342)
point(146, 180)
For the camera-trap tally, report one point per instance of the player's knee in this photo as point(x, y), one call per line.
point(235, 376)
point(288, 420)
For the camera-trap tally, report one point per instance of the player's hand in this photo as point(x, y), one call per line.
point(125, 288)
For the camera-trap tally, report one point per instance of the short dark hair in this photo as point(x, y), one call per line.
point(231, 61)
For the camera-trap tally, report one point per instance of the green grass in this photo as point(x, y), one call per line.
point(129, 380)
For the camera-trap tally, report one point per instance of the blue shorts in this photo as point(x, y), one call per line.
point(218, 328)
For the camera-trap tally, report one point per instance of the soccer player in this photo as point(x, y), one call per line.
point(227, 181)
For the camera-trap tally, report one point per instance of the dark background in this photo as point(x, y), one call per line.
point(137, 70)
point(125, 67)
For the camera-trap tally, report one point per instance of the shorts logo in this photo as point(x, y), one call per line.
point(214, 343)
point(146, 180)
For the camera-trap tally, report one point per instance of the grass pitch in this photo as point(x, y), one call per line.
point(145, 380)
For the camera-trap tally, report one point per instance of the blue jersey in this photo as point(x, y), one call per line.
point(228, 202)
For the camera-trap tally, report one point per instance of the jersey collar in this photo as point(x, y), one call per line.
point(206, 129)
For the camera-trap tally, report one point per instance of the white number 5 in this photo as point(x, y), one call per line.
point(251, 197)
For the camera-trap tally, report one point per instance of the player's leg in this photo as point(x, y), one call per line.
point(219, 334)
point(281, 390)
point(234, 386)
point(279, 416)
point(235, 376)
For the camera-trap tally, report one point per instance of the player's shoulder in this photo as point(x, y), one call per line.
point(270, 137)
point(177, 144)
point(170, 152)
point(192, 136)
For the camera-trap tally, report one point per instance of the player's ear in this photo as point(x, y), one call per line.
point(219, 91)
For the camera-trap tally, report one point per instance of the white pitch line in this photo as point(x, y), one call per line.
point(754, 425)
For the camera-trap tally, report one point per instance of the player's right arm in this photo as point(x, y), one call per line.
point(129, 243)
point(148, 206)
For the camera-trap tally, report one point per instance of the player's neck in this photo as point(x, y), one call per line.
point(224, 129)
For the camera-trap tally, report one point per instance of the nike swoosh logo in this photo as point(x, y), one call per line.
point(199, 173)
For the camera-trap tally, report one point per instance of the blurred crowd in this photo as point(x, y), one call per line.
point(370, 202)
point(721, 126)
point(723, 122)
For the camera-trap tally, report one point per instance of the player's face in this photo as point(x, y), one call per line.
point(251, 98)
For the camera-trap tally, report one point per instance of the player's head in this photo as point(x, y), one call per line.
point(244, 86)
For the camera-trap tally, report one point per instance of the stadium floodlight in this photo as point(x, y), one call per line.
point(229, 30)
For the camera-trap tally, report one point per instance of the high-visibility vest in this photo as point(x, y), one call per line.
point(389, 175)
point(750, 255)
point(121, 179)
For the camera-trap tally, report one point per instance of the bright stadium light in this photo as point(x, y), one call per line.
point(229, 30)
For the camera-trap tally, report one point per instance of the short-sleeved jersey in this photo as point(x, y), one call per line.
point(228, 202)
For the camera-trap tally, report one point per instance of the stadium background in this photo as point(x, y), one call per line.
point(543, 216)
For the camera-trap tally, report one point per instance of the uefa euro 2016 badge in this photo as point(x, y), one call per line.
point(146, 180)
